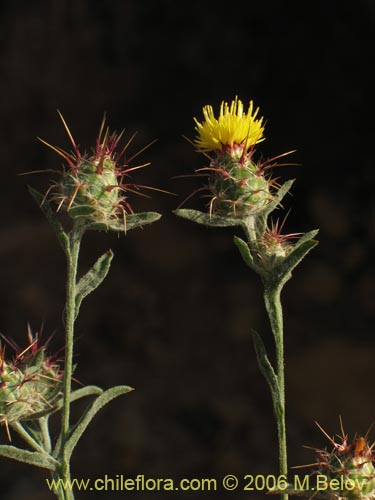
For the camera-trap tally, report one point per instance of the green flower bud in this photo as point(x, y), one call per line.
point(351, 466)
point(92, 186)
point(91, 193)
point(347, 472)
point(273, 246)
point(238, 186)
point(29, 384)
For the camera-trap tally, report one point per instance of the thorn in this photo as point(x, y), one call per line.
point(76, 150)
point(142, 150)
point(77, 188)
point(7, 430)
point(47, 193)
point(211, 205)
point(150, 188)
point(122, 152)
point(51, 170)
point(124, 172)
point(331, 440)
point(60, 204)
point(184, 176)
point(62, 153)
point(340, 419)
point(204, 188)
point(98, 141)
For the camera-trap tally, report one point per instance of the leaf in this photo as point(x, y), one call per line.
point(52, 218)
point(281, 192)
point(29, 457)
point(207, 219)
point(32, 427)
point(99, 402)
point(92, 279)
point(129, 222)
point(81, 211)
point(83, 392)
point(294, 258)
point(89, 390)
point(267, 371)
point(306, 237)
point(243, 247)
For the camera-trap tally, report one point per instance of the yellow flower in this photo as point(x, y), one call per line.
point(233, 128)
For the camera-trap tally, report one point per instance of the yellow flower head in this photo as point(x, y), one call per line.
point(233, 128)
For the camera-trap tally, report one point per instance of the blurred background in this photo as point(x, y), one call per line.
point(173, 318)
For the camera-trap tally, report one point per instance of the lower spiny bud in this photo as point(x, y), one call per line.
point(30, 383)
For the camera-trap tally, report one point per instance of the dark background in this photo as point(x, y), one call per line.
point(173, 318)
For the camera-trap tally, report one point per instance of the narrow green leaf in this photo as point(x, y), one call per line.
point(81, 211)
point(243, 247)
point(207, 219)
point(45, 434)
point(29, 457)
point(33, 428)
point(267, 370)
point(129, 222)
point(294, 258)
point(52, 218)
point(306, 237)
point(99, 402)
point(92, 279)
point(282, 191)
point(83, 392)
point(89, 390)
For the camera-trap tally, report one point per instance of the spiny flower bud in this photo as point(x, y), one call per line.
point(273, 246)
point(92, 185)
point(353, 465)
point(29, 383)
point(348, 469)
point(238, 185)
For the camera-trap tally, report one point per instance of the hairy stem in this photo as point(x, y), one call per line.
point(72, 255)
point(275, 315)
point(60, 491)
point(249, 228)
point(18, 427)
point(43, 424)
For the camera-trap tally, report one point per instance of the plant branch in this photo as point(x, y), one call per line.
point(18, 427)
point(72, 254)
point(274, 311)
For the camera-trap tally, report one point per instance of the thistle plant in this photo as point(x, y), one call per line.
point(243, 193)
point(91, 193)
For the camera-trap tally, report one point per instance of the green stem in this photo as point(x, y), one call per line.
point(249, 228)
point(275, 315)
point(43, 424)
point(60, 493)
point(18, 427)
point(70, 310)
point(27, 437)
